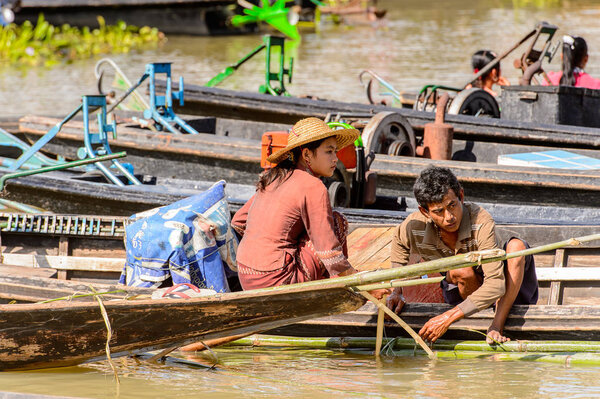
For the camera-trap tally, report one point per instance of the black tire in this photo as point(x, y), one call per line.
point(475, 102)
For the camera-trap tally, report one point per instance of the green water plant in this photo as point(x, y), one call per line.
point(45, 44)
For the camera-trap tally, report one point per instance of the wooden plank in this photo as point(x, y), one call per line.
point(555, 287)
point(374, 250)
point(557, 274)
point(65, 262)
point(27, 271)
point(524, 322)
point(362, 238)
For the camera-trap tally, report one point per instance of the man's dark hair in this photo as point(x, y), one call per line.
point(433, 183)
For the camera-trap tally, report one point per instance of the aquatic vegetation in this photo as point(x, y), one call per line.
point(46, 44)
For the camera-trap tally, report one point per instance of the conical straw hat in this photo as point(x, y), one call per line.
point(309, 130)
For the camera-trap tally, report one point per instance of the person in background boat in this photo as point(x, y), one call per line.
point(479, 60)
point(574, 59)
point(289, 232)
point(444, 226)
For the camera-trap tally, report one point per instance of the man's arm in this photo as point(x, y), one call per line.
point(399, 257)
point(493, 286)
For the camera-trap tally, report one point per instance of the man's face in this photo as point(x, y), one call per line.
point(447, 214)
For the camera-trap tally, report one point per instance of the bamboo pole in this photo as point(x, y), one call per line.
point(435, 266)
point(400, 344)
point(398, 283)
point(402, 323)
point(380, 322)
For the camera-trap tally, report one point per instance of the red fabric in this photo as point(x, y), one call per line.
point(305, 266)
point(275, 222)
point(581, 80)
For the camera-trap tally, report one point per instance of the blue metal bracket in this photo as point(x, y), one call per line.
point(161, 106)
point(38, 160)
point(95, 144)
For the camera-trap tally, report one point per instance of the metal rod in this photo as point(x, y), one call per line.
point(66, 165)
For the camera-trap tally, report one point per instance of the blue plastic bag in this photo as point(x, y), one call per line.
point(190, 241)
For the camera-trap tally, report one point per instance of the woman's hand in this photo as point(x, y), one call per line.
point(502, 81)
point(380, 293)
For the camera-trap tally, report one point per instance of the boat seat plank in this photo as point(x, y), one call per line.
point(65, 262)
point(568, 273)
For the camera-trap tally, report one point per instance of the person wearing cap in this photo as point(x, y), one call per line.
point(574, 59)
point(289, 232)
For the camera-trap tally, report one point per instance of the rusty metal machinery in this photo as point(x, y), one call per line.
point(389, 133)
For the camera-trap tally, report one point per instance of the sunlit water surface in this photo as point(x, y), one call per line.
point(255, 373)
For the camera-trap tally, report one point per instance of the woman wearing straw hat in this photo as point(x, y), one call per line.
point(289, 232)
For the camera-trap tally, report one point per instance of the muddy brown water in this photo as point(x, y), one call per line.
point(422, 42)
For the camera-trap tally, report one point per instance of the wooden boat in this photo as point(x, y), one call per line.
point(191, 17)
point(65, 333)
point(568, 307)
point(221, 103)
point(211, 157)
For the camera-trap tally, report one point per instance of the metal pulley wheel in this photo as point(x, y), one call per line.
point(389, 133)
point(475, 102)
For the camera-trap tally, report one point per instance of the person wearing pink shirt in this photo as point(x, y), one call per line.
point(574, 59)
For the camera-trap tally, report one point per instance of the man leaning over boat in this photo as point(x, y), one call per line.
point(445, 226)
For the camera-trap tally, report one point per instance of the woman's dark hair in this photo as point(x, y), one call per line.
point(573, 54)
point(479, 60)
point(433, 183)
point(283, 170)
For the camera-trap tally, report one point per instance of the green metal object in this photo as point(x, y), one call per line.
point(358, 142)
point(269, 43)
point(66, 165)
point(227, 72)
point(277, 15)
point(279, 76)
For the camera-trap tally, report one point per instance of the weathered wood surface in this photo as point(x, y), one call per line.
point(113, 3)
point(26, 284)
point(217, 102)
point(491, 182)
point(192, 17)
point(524, 322)
point(237, 161)
point(62, 334)
point(200, 157)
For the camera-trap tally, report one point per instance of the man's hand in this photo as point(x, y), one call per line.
point(438, 325)
point(395, 301)
point(494, 335)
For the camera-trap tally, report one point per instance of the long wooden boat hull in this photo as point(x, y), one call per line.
point(223, 103)
point(69, 333)
point(211, 157)
point(189, 17)
point(543, 322)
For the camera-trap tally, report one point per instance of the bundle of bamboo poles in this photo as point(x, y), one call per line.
point(561, 352)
